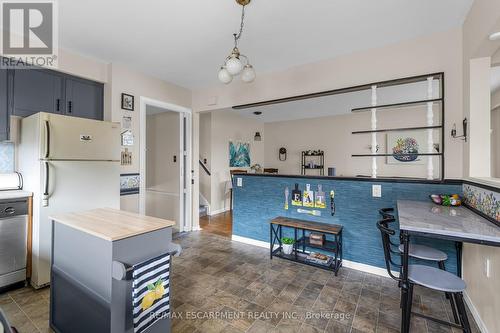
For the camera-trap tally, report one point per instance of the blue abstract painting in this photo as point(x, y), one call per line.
point(239, 155)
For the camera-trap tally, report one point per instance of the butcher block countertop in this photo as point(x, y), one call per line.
point(112, 224)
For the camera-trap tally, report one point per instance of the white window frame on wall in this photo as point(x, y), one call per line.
point(185, 147)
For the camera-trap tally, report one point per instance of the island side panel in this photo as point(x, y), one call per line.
point(132, 251)
point(81, 280)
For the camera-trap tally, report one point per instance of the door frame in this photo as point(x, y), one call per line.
point(185, 148)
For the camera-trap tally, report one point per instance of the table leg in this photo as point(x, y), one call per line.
point(303, 240)
point(405, 325)
point(295, 242)
point(458, 246)
point(271, 241)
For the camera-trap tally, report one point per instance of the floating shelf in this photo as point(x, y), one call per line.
point(397, 105)
point(377, 155)
point(397, 129)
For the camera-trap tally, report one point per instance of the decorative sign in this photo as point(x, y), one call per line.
point(127, 138)
point(126, 122)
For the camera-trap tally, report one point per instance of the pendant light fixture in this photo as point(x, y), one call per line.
point(233, 65)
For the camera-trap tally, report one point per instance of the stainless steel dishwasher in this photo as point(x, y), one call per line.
point(13, 237)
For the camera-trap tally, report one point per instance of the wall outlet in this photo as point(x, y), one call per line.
point(487, 268)
point(377, 191)
point(239, 182)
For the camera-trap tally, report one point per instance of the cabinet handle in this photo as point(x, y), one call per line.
point(70, 106)
point(58, 104)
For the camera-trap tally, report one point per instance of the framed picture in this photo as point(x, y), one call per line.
point(409, 142)
point(239, 155)
point(127, 102)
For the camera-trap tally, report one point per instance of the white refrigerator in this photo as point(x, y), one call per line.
point(70, 164)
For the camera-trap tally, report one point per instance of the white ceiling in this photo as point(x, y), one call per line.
point(185, 41)
point(334, 105)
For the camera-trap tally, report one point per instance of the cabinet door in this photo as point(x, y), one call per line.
point(84, 98)
point(36, 90)
point(4, 110)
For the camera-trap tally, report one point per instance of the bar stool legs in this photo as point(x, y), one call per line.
point(456, 298)
point(450, 297)
point(462, 312)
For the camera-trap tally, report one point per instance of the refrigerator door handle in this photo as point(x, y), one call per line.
point(47, 139)
point(45, 197)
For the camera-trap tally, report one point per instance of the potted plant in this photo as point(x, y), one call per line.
point(287, 245)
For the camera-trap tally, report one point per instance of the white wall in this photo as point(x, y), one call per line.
point(483, 18)
point(125, 80)
point(429, 54)
point(495, 143)
point(334, 136)
point(229, 126)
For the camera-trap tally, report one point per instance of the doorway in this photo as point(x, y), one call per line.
point(165, 190)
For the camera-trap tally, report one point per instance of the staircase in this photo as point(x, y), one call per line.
point(203, 210)
point(204, 204)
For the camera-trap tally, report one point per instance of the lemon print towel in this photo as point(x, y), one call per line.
point(151, 292)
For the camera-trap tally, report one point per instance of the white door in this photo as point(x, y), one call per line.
point(169, 198)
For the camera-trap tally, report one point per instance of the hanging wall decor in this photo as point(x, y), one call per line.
point(296, 196)
point(127, 138)
point(239, 155)
point(406, 144)
point(127, 102)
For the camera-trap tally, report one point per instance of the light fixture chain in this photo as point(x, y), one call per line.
point(242, 25)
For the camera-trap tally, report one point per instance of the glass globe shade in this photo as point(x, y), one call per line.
point(224, 76)
point(234, 65)
point(248, 74)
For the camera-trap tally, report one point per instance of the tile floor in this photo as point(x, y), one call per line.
point(221, 286)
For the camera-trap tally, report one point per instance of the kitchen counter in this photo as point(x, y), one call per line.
point(261, 198)
point(428, 218)
point(111, 224)
point(14, 194)
point(93, 253)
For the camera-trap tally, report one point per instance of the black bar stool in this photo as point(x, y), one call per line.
point(429, 277)
point(421, 252)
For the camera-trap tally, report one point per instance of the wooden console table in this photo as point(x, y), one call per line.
point(301, 244)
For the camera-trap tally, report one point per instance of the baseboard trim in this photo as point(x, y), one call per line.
point(480, 323)
point(218, 211)
point(345, 263)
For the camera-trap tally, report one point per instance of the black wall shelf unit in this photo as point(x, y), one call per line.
point(398, 105)
point(318, 163)
point(406, 154)
point(398, 129)
point(440, 103)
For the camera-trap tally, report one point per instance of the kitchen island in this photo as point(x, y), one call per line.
point(92, 256)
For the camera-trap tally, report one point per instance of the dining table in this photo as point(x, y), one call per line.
point(427, 219)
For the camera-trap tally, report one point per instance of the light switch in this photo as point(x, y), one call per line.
point(239, 182)
point(377, 191)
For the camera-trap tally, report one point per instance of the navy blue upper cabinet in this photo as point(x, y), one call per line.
point(36, 90)
point(84, 98)
point(4, 110)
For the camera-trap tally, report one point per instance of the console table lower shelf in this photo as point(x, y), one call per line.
point(302, 246)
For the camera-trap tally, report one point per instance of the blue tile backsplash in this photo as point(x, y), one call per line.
point(262, 199)
point(6, 157)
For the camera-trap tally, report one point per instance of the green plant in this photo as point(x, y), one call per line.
point(288, 241)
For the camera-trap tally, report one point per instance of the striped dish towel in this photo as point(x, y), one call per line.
point(151, 292)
